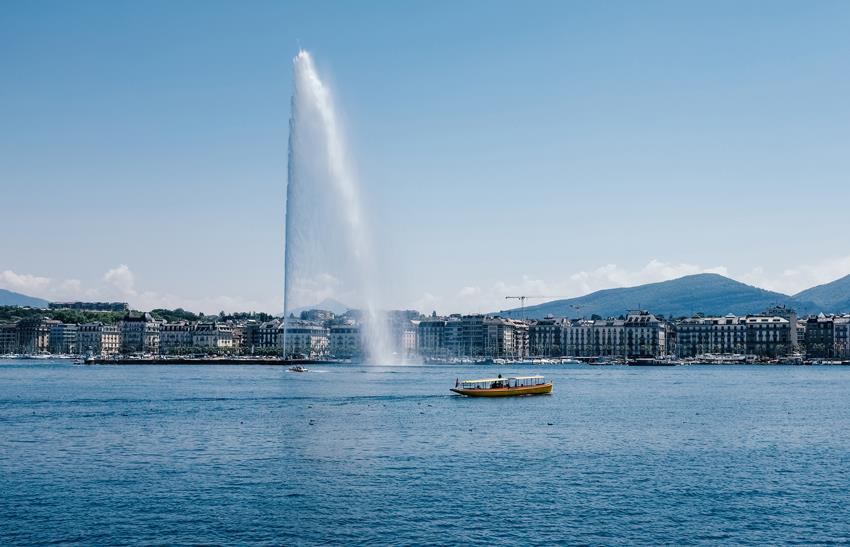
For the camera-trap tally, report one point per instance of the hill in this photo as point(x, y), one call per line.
point(711, 294)
point(9, 298)
point(833, 296)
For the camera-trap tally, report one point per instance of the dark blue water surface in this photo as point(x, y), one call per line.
point(386, 455)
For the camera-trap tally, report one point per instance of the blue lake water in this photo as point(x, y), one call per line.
point(349, 454)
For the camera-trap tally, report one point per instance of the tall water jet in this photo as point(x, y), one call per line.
point(328, 248)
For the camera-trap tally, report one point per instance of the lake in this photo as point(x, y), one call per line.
point(356, 454)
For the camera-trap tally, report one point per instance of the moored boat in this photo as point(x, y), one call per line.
point(653, 363)
point(503, 387)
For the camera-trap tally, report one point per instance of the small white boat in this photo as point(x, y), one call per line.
point(298, 368)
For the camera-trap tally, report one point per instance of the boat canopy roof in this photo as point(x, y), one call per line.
point(503, 379)
point(482, 380)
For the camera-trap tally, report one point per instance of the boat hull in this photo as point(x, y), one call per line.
point(542, 389)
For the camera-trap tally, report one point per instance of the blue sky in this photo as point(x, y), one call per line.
point(541, 148)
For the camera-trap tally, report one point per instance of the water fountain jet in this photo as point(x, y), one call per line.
point(328, 247)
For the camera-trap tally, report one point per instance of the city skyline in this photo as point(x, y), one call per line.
point(599, 146)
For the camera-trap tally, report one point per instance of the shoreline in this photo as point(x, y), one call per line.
point(279, 361)
point(208, 361)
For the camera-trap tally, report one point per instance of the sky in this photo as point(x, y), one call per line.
point(539, 148)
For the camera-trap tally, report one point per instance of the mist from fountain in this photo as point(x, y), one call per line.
point(328, 246)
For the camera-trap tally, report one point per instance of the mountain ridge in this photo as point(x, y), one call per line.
point(708, 293)
point(834, 295)
point(11, 298)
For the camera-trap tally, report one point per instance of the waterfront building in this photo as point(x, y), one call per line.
point(402, 330)
point(595, 338)
point(238, 333)
point(345, 341)
point(790, 315)
point(576, 335)
point(63, 338)
point(471, 341)
point(174, 337)
point(760, 335)
point(430, 340)
point(801, 334)
point(841, 336)
point(505, 338)
point(212, 335)
point(251, 336)
point(545, 337)
point(638, 334)
point(98, 339)
point(645, 335)
point(34, 335)
point(452, 334)
point(8, 338)
point(700, 335)
point(476, 336)
point(303, 338)
point(139, 334)
point(769, 336)
point(827, 337)
point(267, 335)
point(820, 336)
point(409, 339)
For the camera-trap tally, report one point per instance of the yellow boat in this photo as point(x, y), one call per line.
point(503, 387)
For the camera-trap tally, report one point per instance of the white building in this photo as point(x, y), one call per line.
point(303, 338)
point(98, 339)
point(639, 334)
point(345, 341)
point(212, 335)
point(591, 338)
point(174, 337)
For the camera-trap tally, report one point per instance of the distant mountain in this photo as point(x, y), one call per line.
point(834, 296)
point(328, 304)
point(711, 294)
point(9, 298)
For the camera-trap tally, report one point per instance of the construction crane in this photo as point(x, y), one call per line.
point(523, 298)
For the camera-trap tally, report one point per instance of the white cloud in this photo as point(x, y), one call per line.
point(122, 279)
point(476, 299)
point(469, 291)
point(26, 283)
point(119, 284)
point(799, 278)
point(612, 275)
point(426, 303)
